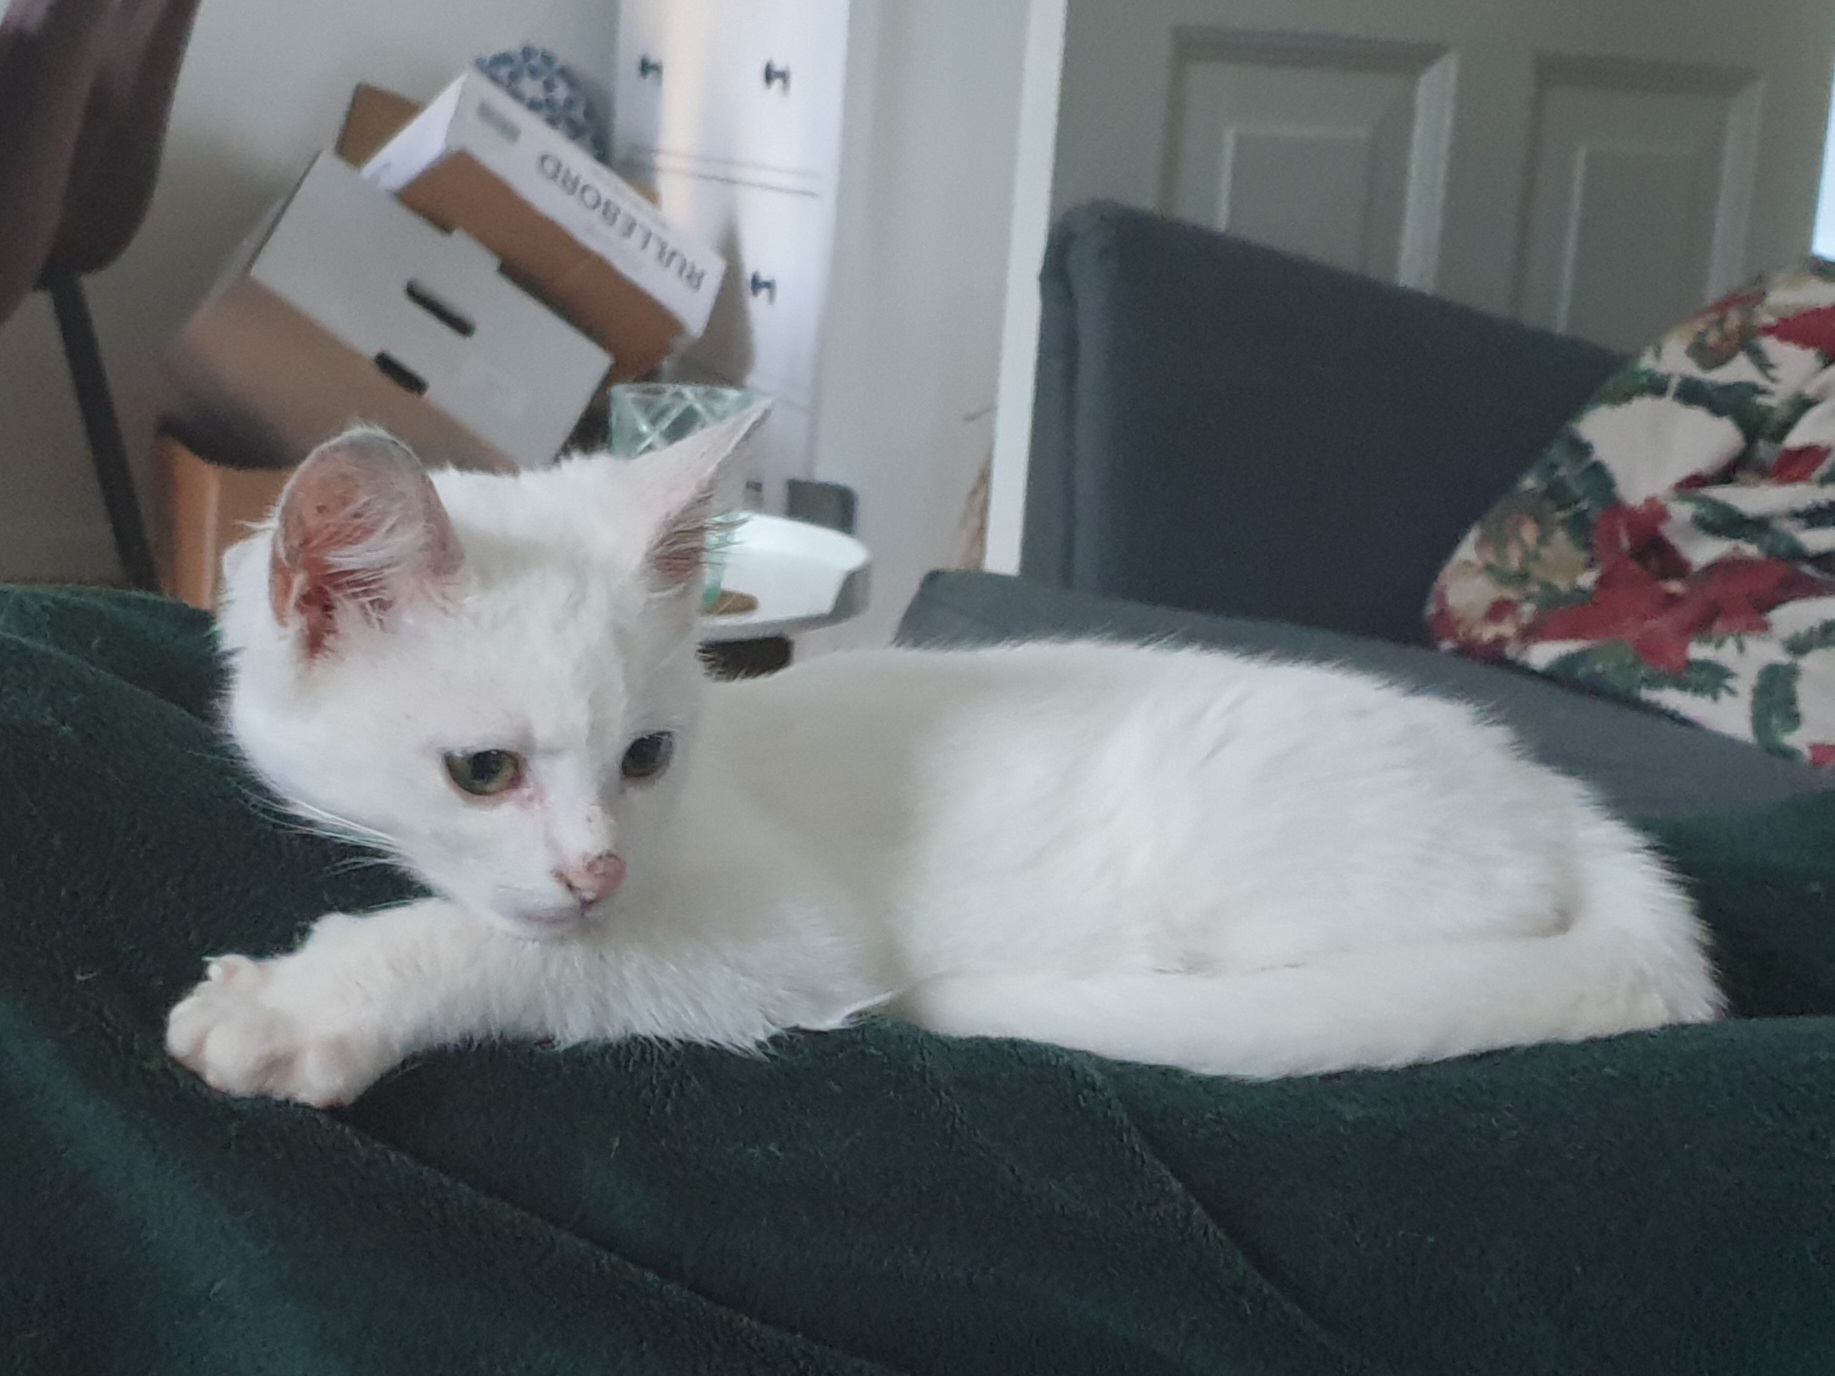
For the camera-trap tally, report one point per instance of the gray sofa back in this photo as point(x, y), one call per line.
point(1223, 428)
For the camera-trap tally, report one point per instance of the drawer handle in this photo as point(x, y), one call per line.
point(764, 286)
point(648, 67)
point(776, 76)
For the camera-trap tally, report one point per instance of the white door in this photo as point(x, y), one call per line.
point(1596, 167)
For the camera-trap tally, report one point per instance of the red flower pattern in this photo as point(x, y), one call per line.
point(1658, 617)
point(1810, 329)
point(1798, 464)
point(1641, 591)
point(1636, 533)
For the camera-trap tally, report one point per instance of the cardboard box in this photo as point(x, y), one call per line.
point(347, 306)
point(207, 509)
point(373, 117)
point(566, 227)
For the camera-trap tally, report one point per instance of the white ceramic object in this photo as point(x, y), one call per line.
point(803, 576)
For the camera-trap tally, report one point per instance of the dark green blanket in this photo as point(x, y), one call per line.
point(871, 1200)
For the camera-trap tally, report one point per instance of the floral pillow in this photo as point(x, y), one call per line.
point(1676, 542)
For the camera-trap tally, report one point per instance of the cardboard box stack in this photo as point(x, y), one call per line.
point(462, 275)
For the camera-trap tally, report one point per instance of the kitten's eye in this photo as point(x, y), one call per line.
point(485, 773)
point(649, 755)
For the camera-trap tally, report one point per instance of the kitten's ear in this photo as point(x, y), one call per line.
point(671, 493)
point(358, 530)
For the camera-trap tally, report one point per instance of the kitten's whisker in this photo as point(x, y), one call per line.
point(339, 828)
point(354, 863)
point(303, 820)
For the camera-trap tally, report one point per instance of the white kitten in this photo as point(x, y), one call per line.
point(1197, 859)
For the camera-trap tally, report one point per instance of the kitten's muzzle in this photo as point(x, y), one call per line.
point(593, 880)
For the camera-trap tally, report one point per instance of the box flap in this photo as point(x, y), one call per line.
point(417, 145)
point(373, 117)
point(601, 212)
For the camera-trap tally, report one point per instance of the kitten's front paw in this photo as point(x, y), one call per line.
point(240, 1037)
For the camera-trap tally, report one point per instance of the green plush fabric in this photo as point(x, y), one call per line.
point(871, 1200)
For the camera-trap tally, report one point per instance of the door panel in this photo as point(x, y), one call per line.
point(1640, 196)
point(1334, 149)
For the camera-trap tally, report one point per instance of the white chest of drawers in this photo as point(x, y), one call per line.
point(854, 161)
point(732, 110)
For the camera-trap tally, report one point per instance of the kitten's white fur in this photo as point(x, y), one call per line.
point(1198, 859)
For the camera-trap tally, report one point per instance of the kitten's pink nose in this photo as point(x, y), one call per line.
point(594, 879)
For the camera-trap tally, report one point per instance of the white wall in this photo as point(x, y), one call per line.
point(264, 86)
point(1034, 150)
point(910, 362)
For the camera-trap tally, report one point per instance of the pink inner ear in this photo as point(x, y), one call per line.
point(678, 551)
point(359, 528)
